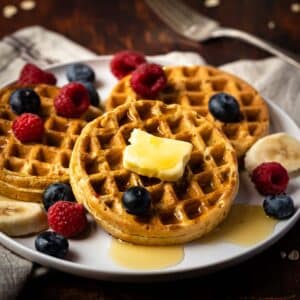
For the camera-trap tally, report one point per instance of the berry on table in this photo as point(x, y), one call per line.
point(148, 80)
point(136, 200)
point(67, 218)
point(32, 74)
point(72, 101)
point(24, 100)
point(28, 128)
point(80, 72)
point(125, 62)
point(93, 94)
point(270, 178)
point(279, 206)
point(225, 108)
point(52, 243)
point(56, 192)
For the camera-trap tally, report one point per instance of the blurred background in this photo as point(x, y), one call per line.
point(108, 26)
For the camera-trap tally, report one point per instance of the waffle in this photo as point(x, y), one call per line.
point(180, 211)
point(193, 86)
point(26, 169)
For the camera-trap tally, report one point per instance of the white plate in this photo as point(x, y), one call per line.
point(89, 257)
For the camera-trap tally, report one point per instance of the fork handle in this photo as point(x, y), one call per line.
point(251, 39)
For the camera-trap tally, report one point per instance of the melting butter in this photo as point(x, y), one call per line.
point(140, 257)
point(154, 156)
point(246, 225)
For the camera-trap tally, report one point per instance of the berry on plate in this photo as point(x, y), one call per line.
point(93, 94)
point(56, 192)
point(148, 80)
point(24, 100)
point(279, 206)
point(125, 62)
point(67, 218)
point(72, 101)
point(32, 74)
point(52, 243)
point(225, 108)
point(136, 200)
point(28, 128)
point(80, 72)
point(270, 178)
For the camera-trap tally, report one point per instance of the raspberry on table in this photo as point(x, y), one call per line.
point(28, 128)
point(125, 62)
point(270, 178)
point(67, 218)
point(72, 101)
point(32, 74)
point(148, 80)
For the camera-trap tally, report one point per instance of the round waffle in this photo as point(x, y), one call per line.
point(193, 86)
point(26, 169)
point(180, 211)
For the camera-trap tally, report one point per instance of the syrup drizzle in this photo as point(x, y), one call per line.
point(246, 225)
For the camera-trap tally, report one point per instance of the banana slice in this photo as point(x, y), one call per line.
point(278, 147)
point(21, 218)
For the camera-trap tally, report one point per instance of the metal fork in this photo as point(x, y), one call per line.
point(194, 26)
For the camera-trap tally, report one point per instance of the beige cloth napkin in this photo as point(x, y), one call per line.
point(273, 78)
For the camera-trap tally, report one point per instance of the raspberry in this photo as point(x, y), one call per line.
point(72, 101)
point(28, 128)
point(125, 62)
point(270, 178)
point(148, 80)
point(31, 74)
point(67, 218)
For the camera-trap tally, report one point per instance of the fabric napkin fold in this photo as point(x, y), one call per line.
point(274, 79)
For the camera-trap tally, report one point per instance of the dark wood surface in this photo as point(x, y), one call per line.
point(109, 26)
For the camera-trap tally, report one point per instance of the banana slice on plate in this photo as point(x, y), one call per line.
point(21, 218)
point(278, 147)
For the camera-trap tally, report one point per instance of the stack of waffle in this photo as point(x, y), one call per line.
point(180, 211)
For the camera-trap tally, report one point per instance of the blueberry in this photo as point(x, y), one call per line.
point(225, 108)
point(136, 200)
point(56, 192)
point(52, 243)
point(24, 100)
point(80, 72)
point(279, 206)
point(94, 96)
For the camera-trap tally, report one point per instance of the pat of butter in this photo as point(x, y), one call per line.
point(153, 156)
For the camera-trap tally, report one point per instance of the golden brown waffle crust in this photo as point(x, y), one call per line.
point(181, 211)
point(193, 86)
point(27, 169)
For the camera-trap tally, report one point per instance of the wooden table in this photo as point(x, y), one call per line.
point(109, 26)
